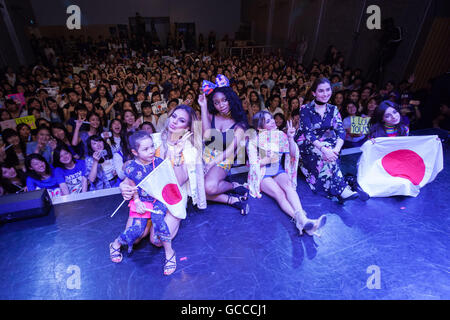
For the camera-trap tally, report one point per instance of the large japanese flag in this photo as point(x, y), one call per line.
point(162, 185)
point(399, 165)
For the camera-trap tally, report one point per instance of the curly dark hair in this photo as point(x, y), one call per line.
point(237, 112)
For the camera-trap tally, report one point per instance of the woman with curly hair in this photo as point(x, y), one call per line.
point(223, 122)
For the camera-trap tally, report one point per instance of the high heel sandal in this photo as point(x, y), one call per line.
point(241, 191)
point(313, 225)
point(241, 204)
point(297, 220)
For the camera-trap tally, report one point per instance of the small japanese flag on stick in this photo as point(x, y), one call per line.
point(162, 185)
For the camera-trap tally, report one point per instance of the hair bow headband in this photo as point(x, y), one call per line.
point(221, 81)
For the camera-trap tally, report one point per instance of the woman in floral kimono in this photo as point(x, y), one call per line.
point(320, 139)
point(267, 173)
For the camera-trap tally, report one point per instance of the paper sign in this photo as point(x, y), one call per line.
point(18, 98)
point(359, 125)
point(52, 91)
point(8, 124)
point(159, 107)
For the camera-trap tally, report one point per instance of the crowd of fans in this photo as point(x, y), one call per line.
point(87, 97)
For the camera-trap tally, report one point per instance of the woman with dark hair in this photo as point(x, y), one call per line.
point(320, 141)
point(69, 170)
point(386, 122)
point(24, 132)
point(40, 175)
point(148, 127)
point(280, 121)
point(223, 117)
point(95, 128)
point(56, 114)
point(15, 154)
point(44, 144)
point(5, 115)
point(63, 137)
point(102, 97)
point(12, 180)
point(99, 165)
point(115, 137)
point(129, 120)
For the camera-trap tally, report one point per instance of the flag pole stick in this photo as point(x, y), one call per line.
point(138, 185)
point(118, 208)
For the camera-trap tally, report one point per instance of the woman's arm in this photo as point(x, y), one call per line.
point(64, 188)
point(76, 134)
point(206, 122)
point(84, 184)
point(93, 172)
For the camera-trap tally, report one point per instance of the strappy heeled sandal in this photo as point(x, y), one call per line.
point(170, 264)
point(115, 254)
point(241, 191)
point(298, 223)
point(241, 204)
point(313, 225)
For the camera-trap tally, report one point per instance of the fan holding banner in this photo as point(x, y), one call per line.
point(392, 166)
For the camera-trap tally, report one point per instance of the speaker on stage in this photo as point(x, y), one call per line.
point(24, 205)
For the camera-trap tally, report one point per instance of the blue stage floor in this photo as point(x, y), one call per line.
point(227, 256)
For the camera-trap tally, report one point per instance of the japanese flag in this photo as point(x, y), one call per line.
point(399, 165)
point(162, 185)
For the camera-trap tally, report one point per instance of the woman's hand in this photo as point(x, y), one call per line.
point(179, 145)
point(336, 151)
point(127, 191)
point(328, 154)
point(140, 206)
point(202, 101)
point(290, 130)
point(97, 156)
point(52, 143)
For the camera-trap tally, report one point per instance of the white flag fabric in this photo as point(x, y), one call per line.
point(162, 185)
point(399, 165)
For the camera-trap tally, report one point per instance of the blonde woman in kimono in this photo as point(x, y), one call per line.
point(267, 173)
point(176, 142)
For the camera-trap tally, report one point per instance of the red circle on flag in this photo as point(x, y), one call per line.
point(404, 164)
point(171, 194)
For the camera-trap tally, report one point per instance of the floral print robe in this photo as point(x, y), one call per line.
point(322, 176)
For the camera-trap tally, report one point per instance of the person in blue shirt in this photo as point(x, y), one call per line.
point(40, 175)
point(43, 145)
point(69, 170)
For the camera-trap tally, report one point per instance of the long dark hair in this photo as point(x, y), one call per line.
point(377, 128)
point(237, 111)
point(106, 146)
point(30, 172)
point(6, 183)
point(11, 155)
point(56, 156)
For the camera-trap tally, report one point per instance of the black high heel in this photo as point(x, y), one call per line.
point(241, 204)
point(241, 191)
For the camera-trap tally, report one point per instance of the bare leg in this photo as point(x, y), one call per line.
point(215, 183)
point(284, 183)
point(170, 264)
point(272, 189)
point(172, 222)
